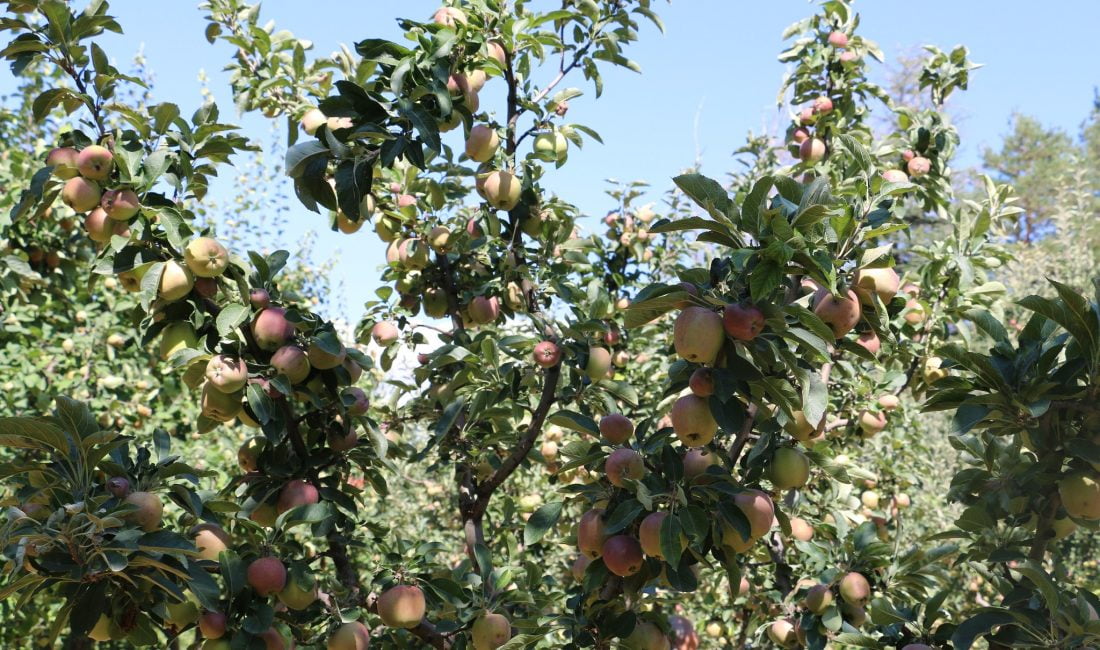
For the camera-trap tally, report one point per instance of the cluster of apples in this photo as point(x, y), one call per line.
point(631, 227)
point(87, 173)
point(854, 591)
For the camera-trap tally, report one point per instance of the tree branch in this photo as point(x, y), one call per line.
point(742, 438)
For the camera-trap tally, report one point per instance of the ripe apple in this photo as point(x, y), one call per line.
point(312, 120)
point(743, 322)
point(482, 143)
point(838, 39)
point(359, 403)
point(120, 205)
point(118, 486)
point(80, 194)
point(350, 636)
point(267, 575)
point(591, 533)
point(98, 226)
point(758, 509)
point(175, 282)
point(149, 511)
point(227, 374)
point(300, 591)
point(919, 166)
point(484, 309)
point(840, 313)
point(175, 337)
point(206, 287)
point(271, 329)
point(289, 360)
point(871, 422)
point(881, 281)
point(340, 442)
point(782, 633)
point(496, 52)
point(806, 116)
point(384, 333)
point(490, 631)
point(401, 606)
point(413, 254)
point(701, 382)
point(624, 464)
point(895, 176)
point(692, 421)
point(551, 147)
point(888, 402)
point(623, 555)
point(869, 341)
point(296, 493)
point(324, 360)
point(1080, 494)
point(789, 468)
point(800, 135)
point(801, 529)
point(818, 598)
point(811, 150)
point(698, 335)
point(649, 534)
point(599, 363)
point(854, 589)
point(95, 162)
point(502, 190)
point(616, 428)
point(823, 105)
point(854, 615)
point(259, 298)
point(219, 406)
point(212, 625)
point(449, 17)
point(63, 161)
point(206, 257)
point(696, 462)
point(210, 540)
point(547, 354)
point(646, 636)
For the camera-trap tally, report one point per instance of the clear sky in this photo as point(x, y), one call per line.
point(708, 80)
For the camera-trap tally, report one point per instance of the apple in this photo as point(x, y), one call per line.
point(895, 176)
point(871, 422)
point(551, 147)
point(854, 589)
point(350, 636)
point(149, 511)
point(490, 631)
point(714, 629)
point(267, 575)
point(449, 17)
point(1080, 494)
point(300, 591)
point(919, 166)
point(869, 341)
point(646, 636)
point(63, 161)
point(854, 615)
point(259, 298)
point(271, 329)
point(496, 52)
point(210, 540)
point(649, 534)
point(616, 428)
point(98, 226)
point(800, 135)
point(701, 382)
point(591, 533)
point(206, 287)
point(289, 360)
point(692, 421)
point(908, 155)
point(482, 143)
point(296, 493)
point(623, 555)
point(438, 238)
point(80, 194)
point(95, 162)
point(599, 363)
point(359, 401)
point(901, 501)
point(888, 402)
point(212, 625)
point(758, 509)
point(806, 116)
point(105, 629)
point(264, 515)
point(801, 529)
point(782, 633)
point(932, 371)
point(324, 360)
point(502, 190)
point(340, 442)
point(802, 429)
point(579, 566)
point(840, 313)
point(838, 39)
point(413, 254)
point(823, 105)
point(696, 462)
point(624, 464)
point(401, 606)
point(818, 599)
point(120, 205)
point(175, 337)
point(118, 486)
point(227, 374)
point(176, 281)
point(219, 406)
point(880, 281)
point(789, 468)
point(811, 150)
point(698, 335)
point(312, 120)
point(206, 257)
point(683, 633)
point(547, 354)
point(743, 322)
point(484, 310)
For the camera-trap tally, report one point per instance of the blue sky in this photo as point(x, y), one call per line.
point(708, 80)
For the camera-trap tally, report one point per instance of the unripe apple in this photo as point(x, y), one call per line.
point(490, 631)
point(871, 422)
point(219, 406)
point(212, 625)
point(743, 322)
point(789, 468)
point(484, 310)
point(1080, 494)
point(271, 329)
point(714, 630)
point(782, 633)
point(599, 363)
point(289, 360)
point(175, 282)
point(449, 17)
point(881, 281)
point(591, 533)
point(267, 575)
point(818, 599)
point(854, 589)
point(801, 529)
point(413, 254)
point(701, 382)
point(551, 147)
point(116, 340)
point(579, 566)
point(646, 636)
point(932, 371)
point(206, 257)
point(696, 462)
point(840, 313)
point(919, 166)
point(616, 428)
point(296, 493)
point(80, 194)
point(869, 499)
point(120, 205)
point(402, 606)
point(914, 312)
point(227, 374)
point(502, 190)
point(63, 161)
point(210, 540)
point(299, 593)
point(758, 509)
point(482, 143)
point(264, 515)
point(439, 238)
point(95, 162)
point(312, 120)
point(901, 501)
point(177, 336)
point(323, 359)
point(149, 511)
point(806, 116)
point(350, 636)
point(547, 354)
point(623, 555)
point(895, 176)
point(802, 429)
point(624, 464)
point(98, 226)
point(811, 150)
point(838, 39)
point(118, 486)
point(888, 402)
point(823, 105)
point(869, 341)
point(698, 334)
point(692, 421)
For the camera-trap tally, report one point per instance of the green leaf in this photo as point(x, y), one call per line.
point(575, 422)
point(230, 318)
point(978, 625)
point(671, 542)
point(708, 194)
point(541, 521)
point(622, 516)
